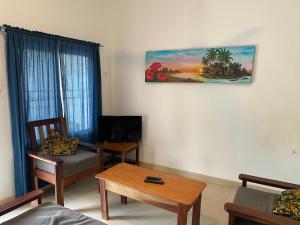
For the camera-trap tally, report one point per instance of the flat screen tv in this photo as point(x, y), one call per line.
point(120, 128)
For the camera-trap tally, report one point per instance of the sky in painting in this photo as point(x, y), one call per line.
point(189, 60)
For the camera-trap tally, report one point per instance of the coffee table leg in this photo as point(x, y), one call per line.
point(182, 215)
point(123, 157)
point(196, 211)
point(137, 156)
point(103, 199)
point(123, 199)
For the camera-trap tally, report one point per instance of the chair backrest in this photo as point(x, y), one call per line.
point(58, 124)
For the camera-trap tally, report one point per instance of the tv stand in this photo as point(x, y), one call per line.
point(122, 148)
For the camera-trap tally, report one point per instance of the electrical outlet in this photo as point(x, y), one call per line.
point(295, 151)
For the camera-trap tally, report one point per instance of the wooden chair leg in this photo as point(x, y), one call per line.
point(34, 179)
point(59, 185)
point(231, 220)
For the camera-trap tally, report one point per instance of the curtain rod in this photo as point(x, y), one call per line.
point(2, 30)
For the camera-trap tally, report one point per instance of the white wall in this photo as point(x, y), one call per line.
point(213, 129)
point(216, 130)
point(6, 163)
point(72, 18)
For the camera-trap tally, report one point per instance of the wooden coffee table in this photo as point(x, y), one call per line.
point(177, 194)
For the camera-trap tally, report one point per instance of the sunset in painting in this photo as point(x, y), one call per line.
point(204, 65)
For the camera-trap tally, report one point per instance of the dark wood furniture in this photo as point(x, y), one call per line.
point(122, 148)
point(242, 210)
point(20, 201)
point(87, 160)
point(177, 195)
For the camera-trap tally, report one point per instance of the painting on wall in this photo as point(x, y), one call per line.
point(203, 65)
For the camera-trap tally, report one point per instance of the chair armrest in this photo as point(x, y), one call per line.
point(46, 158)
point(20, 201)
point(261, 217)
point(89, 146)
point(268, 182)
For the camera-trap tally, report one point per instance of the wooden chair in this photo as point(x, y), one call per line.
point(60, 170)
point(254, 207)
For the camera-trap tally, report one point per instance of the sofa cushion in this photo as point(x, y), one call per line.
point(51, 214)
point(73, 164)
point(255, 199)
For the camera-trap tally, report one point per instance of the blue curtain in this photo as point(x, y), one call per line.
point(80, 72)
point(42, 70)
point(33, 80)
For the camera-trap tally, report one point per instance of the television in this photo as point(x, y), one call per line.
point(120, 128)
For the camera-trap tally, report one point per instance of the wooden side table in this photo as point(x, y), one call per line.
point(122, 148)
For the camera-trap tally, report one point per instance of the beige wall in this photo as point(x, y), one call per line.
point(213, 129)
point(73, 18)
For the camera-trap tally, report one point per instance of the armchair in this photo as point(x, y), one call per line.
point(61, 170)
point(254, 207)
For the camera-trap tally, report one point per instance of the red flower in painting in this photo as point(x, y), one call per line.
point(149, 74)
point(155, 66)
point(162, 76)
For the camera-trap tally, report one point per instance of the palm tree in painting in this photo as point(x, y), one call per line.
point(205, 61)
point(218, 64)
point(224, 56)
point(211, 55)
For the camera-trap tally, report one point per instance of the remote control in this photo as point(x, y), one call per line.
point(153, 178)
point(154, 181)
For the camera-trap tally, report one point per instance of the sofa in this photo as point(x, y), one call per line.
point(46, 213)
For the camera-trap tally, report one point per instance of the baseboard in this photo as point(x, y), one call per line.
point(194, 176)
point(208, 179)
point(2, 202)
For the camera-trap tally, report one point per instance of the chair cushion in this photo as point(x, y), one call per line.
point(52, 214)
point(255, 199)
point(73, 164)
point(56, 145)
point(288, 204)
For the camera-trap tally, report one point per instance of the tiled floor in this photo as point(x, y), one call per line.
point(83, 197)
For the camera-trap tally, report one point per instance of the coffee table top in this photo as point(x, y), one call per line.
point(177, 189)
